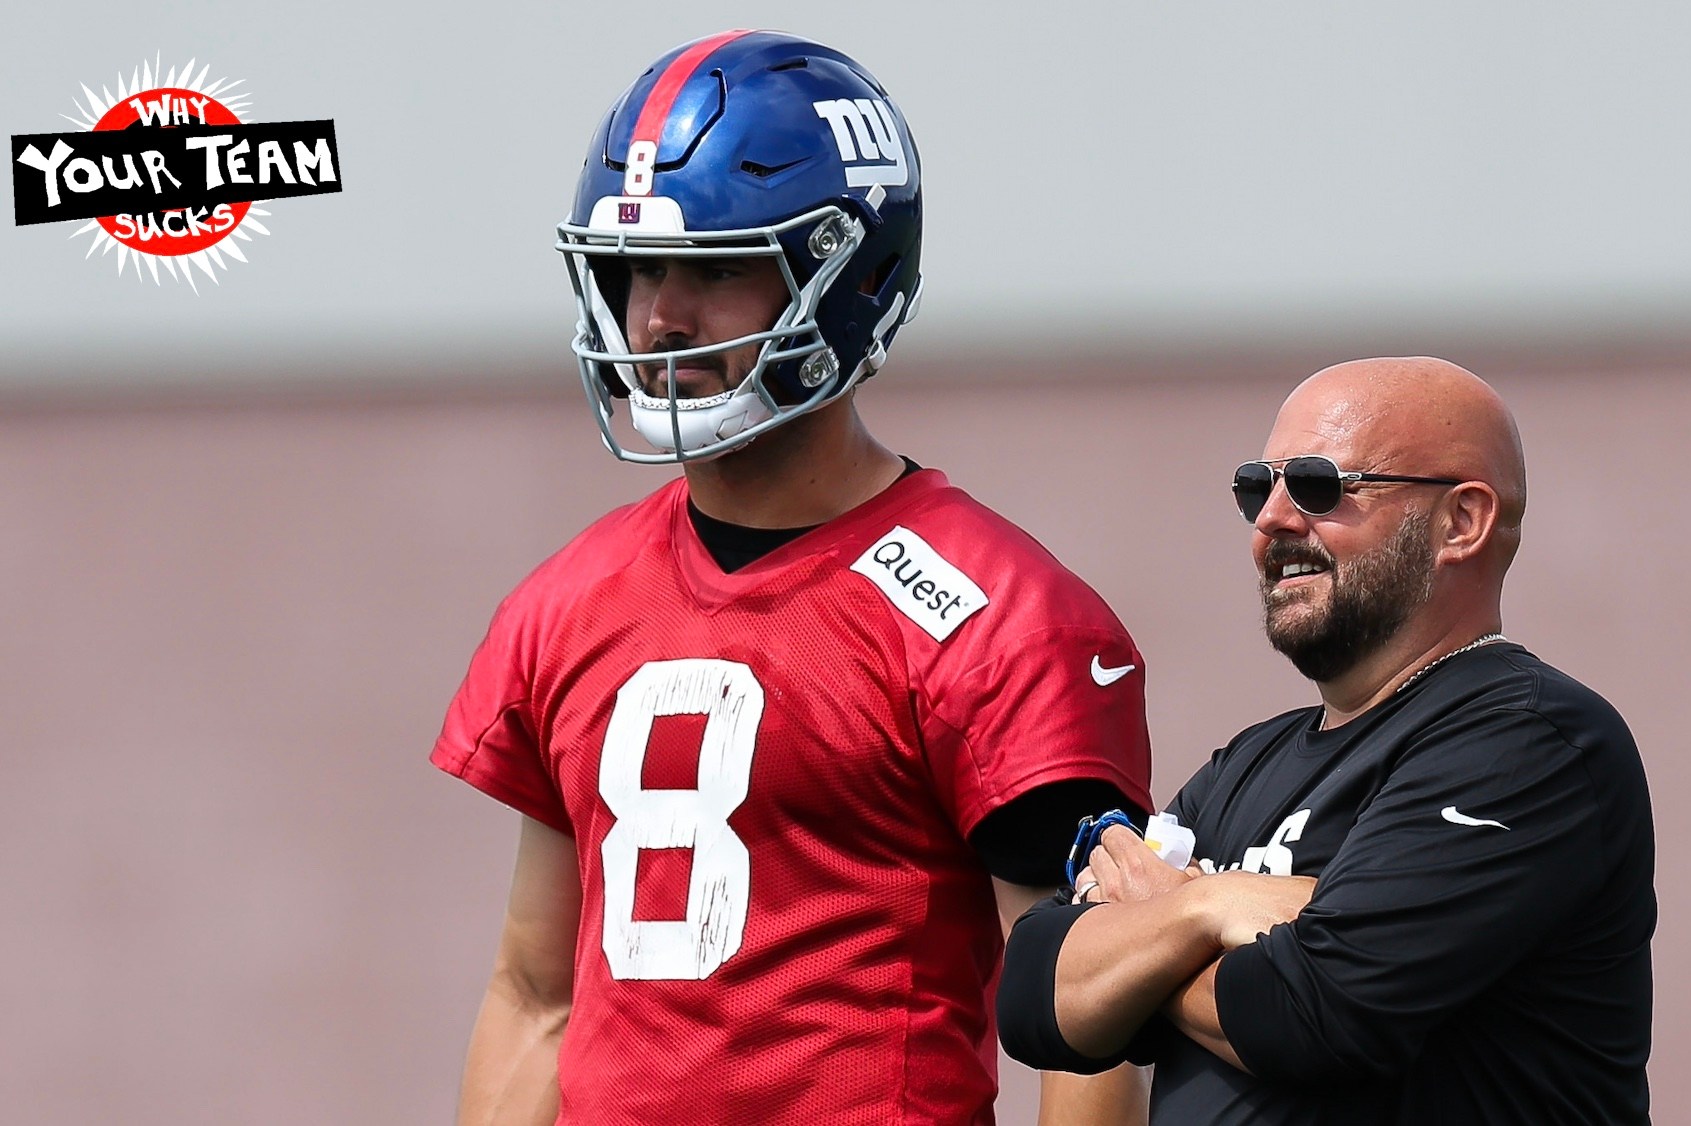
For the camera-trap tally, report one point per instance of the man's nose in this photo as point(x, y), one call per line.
point(674, 308)
point(1280, 518)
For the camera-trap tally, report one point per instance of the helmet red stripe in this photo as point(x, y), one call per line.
point(649, 126)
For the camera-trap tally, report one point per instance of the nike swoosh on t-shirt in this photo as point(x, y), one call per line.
point(1451, 814)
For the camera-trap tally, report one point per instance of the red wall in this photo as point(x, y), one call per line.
point(237, 893)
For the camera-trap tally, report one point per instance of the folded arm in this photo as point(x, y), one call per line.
point(1117, 1097)
point(1081, 981)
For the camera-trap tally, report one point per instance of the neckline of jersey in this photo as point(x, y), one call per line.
point(711, 587)
point(1318, 739)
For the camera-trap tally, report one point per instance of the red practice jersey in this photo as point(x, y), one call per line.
point(770, 777)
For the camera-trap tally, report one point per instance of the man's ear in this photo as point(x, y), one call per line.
point(1470, 511)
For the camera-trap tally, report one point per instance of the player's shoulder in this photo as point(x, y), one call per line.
point(606, 547)
point(995, 552)
point(945, 561)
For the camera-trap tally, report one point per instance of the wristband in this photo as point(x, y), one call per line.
point(1086, 839)
point(1164, 835)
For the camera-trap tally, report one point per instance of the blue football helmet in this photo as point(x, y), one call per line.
point(747, 143)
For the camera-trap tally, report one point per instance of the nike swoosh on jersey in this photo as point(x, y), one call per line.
point(1451, 814)
point(1104, 677)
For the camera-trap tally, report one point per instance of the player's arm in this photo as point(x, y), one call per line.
point(511, 1075)
point(1023, 843)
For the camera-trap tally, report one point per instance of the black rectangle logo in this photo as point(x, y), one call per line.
point(84, 175)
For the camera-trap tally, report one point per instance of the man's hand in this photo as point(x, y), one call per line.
point(1123, 869)
point(1243, 905)
point(1236, 907)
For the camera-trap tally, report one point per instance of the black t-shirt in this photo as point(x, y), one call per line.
point(1477, 949)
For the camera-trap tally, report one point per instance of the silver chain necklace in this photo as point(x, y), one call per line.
point(1429, 667)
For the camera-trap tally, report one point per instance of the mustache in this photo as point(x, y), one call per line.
point(1282, 552)
point(715, 361)
point(657, 374)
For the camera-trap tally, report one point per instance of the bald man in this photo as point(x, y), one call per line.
point(1428, 898)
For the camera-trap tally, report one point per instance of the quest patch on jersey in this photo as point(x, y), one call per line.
point(921, 584)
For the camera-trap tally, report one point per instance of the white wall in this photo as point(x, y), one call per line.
point(1166, 174)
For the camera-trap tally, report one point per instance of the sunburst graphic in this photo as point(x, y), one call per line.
point(105, 111)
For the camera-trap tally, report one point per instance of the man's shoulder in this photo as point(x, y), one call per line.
point(1503, 716)
point(965, 583)
point(1571, 718)
point(605, 547)
point(1558, 695)
point(932, 537)
point(1273, 730)
point(982, 540)
point(933, 497)
point(1510, 679)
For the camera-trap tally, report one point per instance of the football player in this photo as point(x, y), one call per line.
point(799, 735)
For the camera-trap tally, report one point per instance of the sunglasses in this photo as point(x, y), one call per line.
point(1314, 483)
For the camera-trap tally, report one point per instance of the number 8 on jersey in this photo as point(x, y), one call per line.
point(728, 695)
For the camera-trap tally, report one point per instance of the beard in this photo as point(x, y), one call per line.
point(1369, 599)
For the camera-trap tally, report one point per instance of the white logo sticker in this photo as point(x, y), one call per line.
point(868, 141)
point(649, 214)
point(922, 585)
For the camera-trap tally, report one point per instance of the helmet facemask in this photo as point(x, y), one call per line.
point(792, 355)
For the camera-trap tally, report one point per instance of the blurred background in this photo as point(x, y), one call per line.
point(249, 535)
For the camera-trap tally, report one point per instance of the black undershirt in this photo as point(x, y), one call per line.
point(1024, 841)
point(734, 546)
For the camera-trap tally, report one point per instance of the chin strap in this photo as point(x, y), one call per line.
point(876, 354)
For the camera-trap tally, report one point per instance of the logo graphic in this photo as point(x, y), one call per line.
point(921, 584)
point(1451, 814)
point(868, 140)
point(628, 212)
point(167, 172)
point(1275, 857)
point(1103, 677)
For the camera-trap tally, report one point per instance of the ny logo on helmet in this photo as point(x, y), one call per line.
point(868, 140)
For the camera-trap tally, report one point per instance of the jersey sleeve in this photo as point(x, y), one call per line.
point(1484, 838)
point(490, 737)
point(1030, 712)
